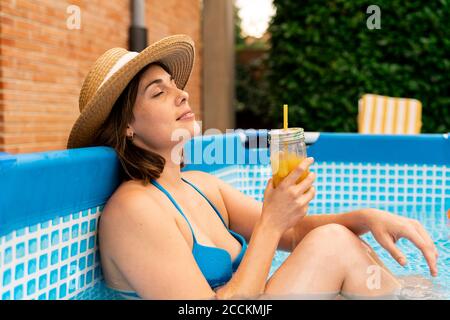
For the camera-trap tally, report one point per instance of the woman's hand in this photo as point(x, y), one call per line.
point(285, 205)
point(387, 228)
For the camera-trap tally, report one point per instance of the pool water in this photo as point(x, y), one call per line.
point(415, 276)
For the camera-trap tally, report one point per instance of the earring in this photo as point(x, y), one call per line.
point(131, 137)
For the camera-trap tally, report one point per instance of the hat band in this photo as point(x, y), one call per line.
point(119, 64)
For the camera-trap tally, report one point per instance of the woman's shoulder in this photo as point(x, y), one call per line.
point(130, 197)
point(131, 189)
point(128, 212)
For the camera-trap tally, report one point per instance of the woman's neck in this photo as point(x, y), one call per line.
point(171, 175)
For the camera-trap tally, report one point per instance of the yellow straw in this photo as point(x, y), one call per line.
point(285, 126)
point(285, 112)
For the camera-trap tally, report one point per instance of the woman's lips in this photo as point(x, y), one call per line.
point(187, 116)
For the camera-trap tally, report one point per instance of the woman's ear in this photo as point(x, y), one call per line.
point(130, 133)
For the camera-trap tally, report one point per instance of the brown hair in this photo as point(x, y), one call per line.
point(137, 163)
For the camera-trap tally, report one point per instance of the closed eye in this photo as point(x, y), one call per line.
point(172, 80)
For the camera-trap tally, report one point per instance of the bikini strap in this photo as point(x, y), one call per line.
point(160, 187)
point(210, 203)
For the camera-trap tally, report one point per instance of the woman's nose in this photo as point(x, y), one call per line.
point(182, 97)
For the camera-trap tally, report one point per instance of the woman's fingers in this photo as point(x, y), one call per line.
point(420, 229)
point(269, 187)
point(306, 183)
point(388, 243)
point(409, 232)
point(309, 195)
point(427, 250)
point(295, 174)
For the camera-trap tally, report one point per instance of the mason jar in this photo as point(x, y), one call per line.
point(287, 151)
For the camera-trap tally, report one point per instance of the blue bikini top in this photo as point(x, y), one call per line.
point(215, 263)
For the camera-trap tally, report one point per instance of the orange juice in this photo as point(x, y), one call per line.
point(283, 163)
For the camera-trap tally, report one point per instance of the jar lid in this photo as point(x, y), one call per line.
point(286, 135)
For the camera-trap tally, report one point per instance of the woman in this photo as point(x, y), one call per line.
point(167, 234)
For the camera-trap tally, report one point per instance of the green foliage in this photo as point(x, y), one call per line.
point(323, 58)
point(238, 39)
point(252, 93)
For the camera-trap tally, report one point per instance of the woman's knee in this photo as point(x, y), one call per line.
point(333, 234)
point(334, 241)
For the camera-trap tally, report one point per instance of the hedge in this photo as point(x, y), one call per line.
point(323, 57)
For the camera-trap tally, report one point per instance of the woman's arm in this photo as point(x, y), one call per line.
point(249, 280)
point(244, 213)
point(353, 220)
point(283, 208)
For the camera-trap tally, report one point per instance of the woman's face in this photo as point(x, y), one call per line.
point(161, 112)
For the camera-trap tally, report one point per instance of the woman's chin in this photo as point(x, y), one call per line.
point(187, 130)
point(193, 127)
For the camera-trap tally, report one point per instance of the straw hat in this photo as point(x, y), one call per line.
point(112, 72)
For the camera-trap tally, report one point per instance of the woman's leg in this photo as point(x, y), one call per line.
point(330, 260)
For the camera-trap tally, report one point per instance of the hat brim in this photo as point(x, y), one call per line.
point(176, 53)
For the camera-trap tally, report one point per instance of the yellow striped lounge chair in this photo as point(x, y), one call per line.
point(387, 115)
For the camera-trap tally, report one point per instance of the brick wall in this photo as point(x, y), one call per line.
point(43, 63)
